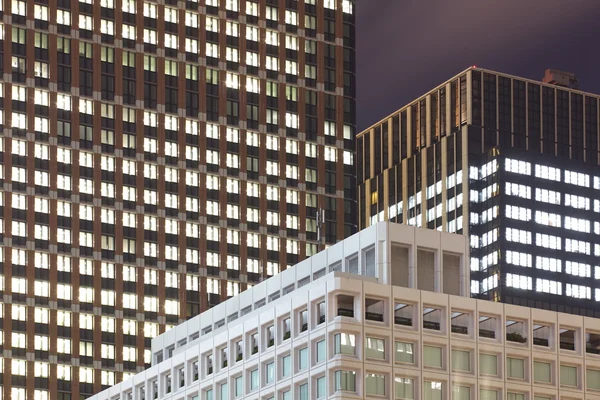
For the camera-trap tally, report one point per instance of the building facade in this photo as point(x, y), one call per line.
point(510, 162)
point(261, 343)
point(357, 336)
point(157, 158)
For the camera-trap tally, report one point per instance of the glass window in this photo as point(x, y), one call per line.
point(321, 351)
point(345, 380)
point(375, 385)
point(515, 368)
point(542, 372)
point(286, 369)
point(303, 391)
point(405, 352)
point(321, 387)
point(488, 364)
point(432, 356)
point(487, 394)
point(224, 392)
point(515, 396)
point(593, 379)
point(302, 359)
point(461, 360)
point(404, 388)
point(375, 348)
point(432, 390)
point(254, 382)
point(568, 375)
point(270, 372)
point(461, 392)
point(239, 386)
point(320, 313)
point(344, 343)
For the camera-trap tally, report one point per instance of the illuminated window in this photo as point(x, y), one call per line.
point(576, 178)
point(252, 85)
point(232, 5)
point(107, 27)
point(331, 4)
point(251, 59)
point(547, 196)
point(86, 22)
point(519, 281)
point(232, 28)
point(548, 241)
point(291, 120)
point(272, 243)
point(272, 63)
point(549, 219)
point(545, 172)
point(578, 291)
point(517, 258)
point(191, 19)
point(63, 17)
point(577, 246)
point(577, 224)
point(272, 193)
point(517, 167)
point(578, 269)
point(291, 67)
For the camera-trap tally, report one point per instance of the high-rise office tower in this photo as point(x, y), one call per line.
point(510, 162)
point(158, 157)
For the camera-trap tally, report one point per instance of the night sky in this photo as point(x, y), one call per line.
point(407, 47)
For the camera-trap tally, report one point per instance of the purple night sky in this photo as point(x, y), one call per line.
point(406, 47)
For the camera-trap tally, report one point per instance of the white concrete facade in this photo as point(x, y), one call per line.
point(391, 253)
point(278, 340)
point(441, 347)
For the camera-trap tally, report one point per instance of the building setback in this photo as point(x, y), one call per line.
point(157, 158)
point(341, 335)
point(510, 162)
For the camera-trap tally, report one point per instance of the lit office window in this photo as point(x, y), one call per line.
point(548, 219)
point(518, 235)
point(548, 264)
point(577, 246)
point(517, 166)
point(519, 281)
point(577, 224)
point(578, 269)
point(545, 172)
point(517, 258)
point(577, 178)
point(548, 241)
point(579, 202)
point(518, 213)
point(578, 291)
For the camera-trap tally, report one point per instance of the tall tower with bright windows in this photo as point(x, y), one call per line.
point(156, 158)
point(510, 162)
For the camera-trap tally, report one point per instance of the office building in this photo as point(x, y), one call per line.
point(273, 340)
point(156, 158)
point(509, 162)
point(359, 336)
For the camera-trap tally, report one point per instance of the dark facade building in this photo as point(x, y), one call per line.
point(510, 162)
point(157, 157)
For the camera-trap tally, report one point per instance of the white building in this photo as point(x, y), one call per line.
point(307, 334)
